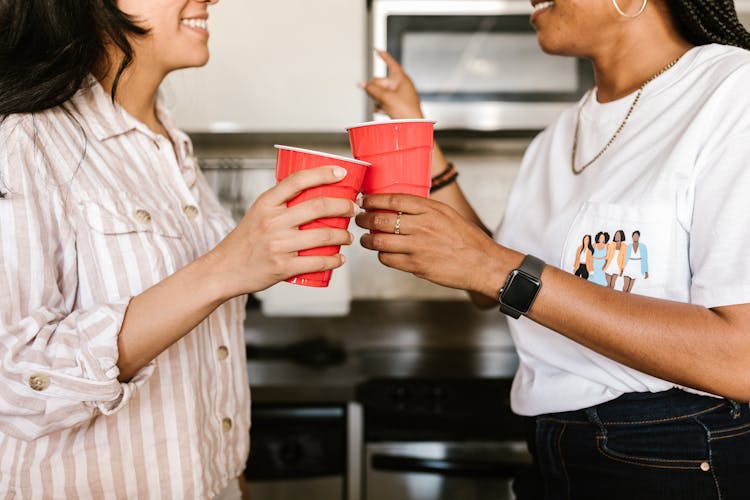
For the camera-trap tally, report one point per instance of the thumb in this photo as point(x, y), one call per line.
point(386, 83)
point(376, 90)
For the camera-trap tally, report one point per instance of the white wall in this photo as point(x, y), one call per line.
point(276, 66)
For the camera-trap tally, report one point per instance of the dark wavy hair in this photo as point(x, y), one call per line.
point(588, 247)
point(48, 47)
point(702, 22)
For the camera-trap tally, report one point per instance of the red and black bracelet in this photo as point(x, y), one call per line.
point(444, 178)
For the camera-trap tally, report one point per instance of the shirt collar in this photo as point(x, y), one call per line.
point(179, 138)
point(106, 118)
point(182, 144)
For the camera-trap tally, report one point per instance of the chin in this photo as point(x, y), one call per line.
point(555, 47)
point(201, 62)
point(548, 44)
point(196, 61)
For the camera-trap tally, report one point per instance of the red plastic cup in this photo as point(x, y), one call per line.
point(400, 154)
point(289, 160)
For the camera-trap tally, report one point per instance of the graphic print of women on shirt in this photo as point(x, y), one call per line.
point(604, 261)
point(599, 258)
point(615, 263)
point(584, 261)
point(636, 265)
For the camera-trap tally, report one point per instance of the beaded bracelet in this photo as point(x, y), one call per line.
point(444, 178)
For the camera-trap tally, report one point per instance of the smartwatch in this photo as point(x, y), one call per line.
point(521, 287)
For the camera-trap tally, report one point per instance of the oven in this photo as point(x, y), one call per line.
point(440, 439)
point(476, 63)
point(398, 399)
point(298, 451)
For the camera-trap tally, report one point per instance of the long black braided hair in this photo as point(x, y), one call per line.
point(48, 47)
point(709, 21)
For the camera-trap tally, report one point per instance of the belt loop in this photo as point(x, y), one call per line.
point(736, 408)
point(593, 416)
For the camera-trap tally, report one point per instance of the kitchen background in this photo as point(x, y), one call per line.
point(287, 72)
point(382, 386)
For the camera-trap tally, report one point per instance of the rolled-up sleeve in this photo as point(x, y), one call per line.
point(58, 363)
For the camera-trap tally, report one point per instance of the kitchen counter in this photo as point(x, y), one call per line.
point(379, 338)
point(255, 145)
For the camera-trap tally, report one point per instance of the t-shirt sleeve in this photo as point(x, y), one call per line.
point(720, 230)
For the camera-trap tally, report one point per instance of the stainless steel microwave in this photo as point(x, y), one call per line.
point(477, 63)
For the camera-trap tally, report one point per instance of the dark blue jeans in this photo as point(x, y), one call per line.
point(671, 445)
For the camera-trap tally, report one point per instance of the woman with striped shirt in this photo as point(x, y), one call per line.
point(122, 366)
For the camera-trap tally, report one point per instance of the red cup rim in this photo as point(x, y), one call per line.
point(386, 122)
point(321, 153)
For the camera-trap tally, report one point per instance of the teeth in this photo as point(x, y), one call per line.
point(542, 6)
point(195, 23)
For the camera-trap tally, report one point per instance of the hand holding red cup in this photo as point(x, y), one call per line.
point(400, 154)
point(289, 160)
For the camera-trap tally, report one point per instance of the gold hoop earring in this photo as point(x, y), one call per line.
point(630, 16)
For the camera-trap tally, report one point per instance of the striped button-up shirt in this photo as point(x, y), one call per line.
point(94, 209)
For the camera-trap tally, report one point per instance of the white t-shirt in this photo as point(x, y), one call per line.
point(679, 173)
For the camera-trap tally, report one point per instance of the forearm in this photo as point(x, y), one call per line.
point(261, 251)
point(452, 195)
point(686, 344)
point(166, 312)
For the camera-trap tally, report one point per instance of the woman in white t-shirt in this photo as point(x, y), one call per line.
point(630, 395)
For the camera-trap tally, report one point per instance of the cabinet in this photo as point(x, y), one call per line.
point(280, 66)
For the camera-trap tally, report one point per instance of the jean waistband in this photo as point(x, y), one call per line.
point(650, 406)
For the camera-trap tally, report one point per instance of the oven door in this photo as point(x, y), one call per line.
point(443, 470)
point(297, 452)
point(477, 64)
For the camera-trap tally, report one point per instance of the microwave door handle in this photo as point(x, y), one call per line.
point(472, 469)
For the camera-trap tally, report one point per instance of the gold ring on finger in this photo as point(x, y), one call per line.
point(397, 228)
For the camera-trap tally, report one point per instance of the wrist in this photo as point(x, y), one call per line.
point(410, 114)
point(444, 178)
point(206, 271)
point(501, 261)
point(439, 165)
point(521, 287)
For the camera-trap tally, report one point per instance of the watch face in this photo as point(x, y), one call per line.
point(520, 291)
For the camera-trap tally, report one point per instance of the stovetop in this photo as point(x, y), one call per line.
point(387, 324)
point(325, 359)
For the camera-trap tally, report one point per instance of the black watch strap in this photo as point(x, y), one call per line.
point(531, 266)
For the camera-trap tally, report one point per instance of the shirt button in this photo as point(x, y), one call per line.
point(191, 211)
point(705, 467)
point(142, 216)
point(39, 382)
point(222, 352)
point(226, 424)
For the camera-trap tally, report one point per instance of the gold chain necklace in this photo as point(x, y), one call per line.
point(619, 129)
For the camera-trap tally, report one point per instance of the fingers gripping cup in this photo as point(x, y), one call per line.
point(400, 154)
point(290, 160)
